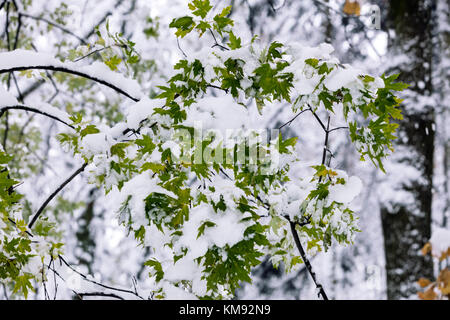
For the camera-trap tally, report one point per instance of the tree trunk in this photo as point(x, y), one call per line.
point(406, 216)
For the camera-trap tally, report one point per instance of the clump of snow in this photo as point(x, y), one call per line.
point(174, 148)
point(228, 230)
point(95, 143)
point(136, 190)
point(440, 240)
point(175, 293)
point(141, 111)
point(341, 78)
point(220, 113)
point(345, 193)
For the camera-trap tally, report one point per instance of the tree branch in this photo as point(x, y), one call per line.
point(74, 72)
point(98, 294)
point(31, 109)
point(338, 128)
point(53, 24)
point(97, 283)
point(325, 144)
point(46, 202)
point(306, 261)
point(318, 119)
point(292, 120)
point(217, 44)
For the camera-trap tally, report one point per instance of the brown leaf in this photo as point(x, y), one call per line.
point(426, 248)
point(352, 7)
point(423, 282)
point(444, 281)
point(428, 294)
point(444, 255)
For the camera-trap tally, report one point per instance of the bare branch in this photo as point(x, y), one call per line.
point(306, 261)
point(53, 24)
point(217, 44)
point(318, 119)
point(98, 294)
point(95, 282)
point(338, 128)
point(325, 144)
point(292, 120)
point(179, 47)
point(47, 201)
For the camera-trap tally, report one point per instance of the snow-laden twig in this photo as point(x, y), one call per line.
point(99, 294)
point(98, 283)
point(75, 72)
point(35, 110)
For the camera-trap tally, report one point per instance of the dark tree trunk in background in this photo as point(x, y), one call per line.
point(406, 225)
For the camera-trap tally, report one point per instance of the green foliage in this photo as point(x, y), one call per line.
point(169, 200)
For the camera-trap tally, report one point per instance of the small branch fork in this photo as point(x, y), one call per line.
point(293, 224)
point(217, 44)
point(98, 283)
point(298, 244)
point(322, 125)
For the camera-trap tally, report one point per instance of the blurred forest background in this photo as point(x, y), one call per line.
point(399, 210)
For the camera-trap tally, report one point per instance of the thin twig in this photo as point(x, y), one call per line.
point(306, 261)
point(95, 282)
point(179, 47)
point(338, 128)
point(7, 26)
point(19, 24)
point(46, 295)
point(20, 98)
point(99, 294)
point(325, 145)
point(292, 120)
point(91, 53)
point(318, 119)
point(5, 134)
point(47, 201)
point(54, 281)
point(217, 44)
point(54, 24)
point(4, 287)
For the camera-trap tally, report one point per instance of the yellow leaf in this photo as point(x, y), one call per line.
point(428, 294)
point(426, 248)
point(423, 282)
point(332, 173)
point(444, 281)
point(352, 7)
point(444, 255)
